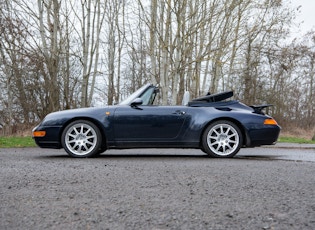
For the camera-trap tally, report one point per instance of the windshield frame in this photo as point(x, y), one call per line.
point(136, 94)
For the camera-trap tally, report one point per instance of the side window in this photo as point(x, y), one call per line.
point(147, 97)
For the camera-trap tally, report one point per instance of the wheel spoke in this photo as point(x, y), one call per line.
point(221, 129)
point(71, 135)
point(84, 146)
point(87, 131)
point(216, 132)
point(89, 142)
point(214, 143)
point(75, 145)
point(75, 130)
point(232, 141)
point(81, 129)
point(229, 146)
point(90, 137)
point(227, 131)
point(79, 150)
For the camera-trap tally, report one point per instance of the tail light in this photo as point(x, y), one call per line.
point(270, 121)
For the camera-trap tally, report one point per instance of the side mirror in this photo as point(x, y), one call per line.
point(136, 102)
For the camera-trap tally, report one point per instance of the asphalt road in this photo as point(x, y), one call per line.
point(261, 188)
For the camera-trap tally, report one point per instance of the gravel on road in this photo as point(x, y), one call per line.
point(153, 189)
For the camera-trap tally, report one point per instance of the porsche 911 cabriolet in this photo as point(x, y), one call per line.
point(214, 123)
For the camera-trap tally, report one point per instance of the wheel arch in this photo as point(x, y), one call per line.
point(94, 121)
point(246, 140)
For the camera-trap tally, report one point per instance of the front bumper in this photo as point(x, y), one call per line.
point(51, 139)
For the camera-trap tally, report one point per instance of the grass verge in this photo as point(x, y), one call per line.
point(16, 142)
point(296, 140)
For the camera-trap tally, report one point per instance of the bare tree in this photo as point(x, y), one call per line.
point(50, 46)
point(58, 55)
point(91, 20)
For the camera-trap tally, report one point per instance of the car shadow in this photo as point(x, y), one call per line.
point(153, 156)
point(135, 156)
point(256, 157)
point(156, 154)
point(142, 156)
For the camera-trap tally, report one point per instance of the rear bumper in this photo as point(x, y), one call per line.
point(267, 135)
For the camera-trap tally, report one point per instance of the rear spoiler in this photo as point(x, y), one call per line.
point(258, 108)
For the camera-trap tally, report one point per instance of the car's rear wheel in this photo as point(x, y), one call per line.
point(81, 138)
point(222, 139)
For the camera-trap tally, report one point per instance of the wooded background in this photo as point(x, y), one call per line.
point(57, 55)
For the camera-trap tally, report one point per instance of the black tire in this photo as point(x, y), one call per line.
point(81, 139)
point(222, 139)
point(101, 150)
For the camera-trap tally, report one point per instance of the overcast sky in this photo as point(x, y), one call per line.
point(307, 14)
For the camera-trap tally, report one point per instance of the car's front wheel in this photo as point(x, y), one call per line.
point(222, 139)
point(81, 138)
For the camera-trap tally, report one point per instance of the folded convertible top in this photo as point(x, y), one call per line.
point(215, 97)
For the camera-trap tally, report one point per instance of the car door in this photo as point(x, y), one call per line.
point(148, 123)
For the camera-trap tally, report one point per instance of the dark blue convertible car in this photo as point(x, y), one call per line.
point(214, 124)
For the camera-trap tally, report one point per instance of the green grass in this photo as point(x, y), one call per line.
point(16, 142)
point(295, 140)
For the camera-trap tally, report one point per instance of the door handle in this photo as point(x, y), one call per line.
point(179, 112)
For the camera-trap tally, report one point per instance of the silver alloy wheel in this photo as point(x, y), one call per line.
point(80, 139)
point(223, 139)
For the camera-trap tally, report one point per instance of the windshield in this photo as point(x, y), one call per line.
point(135, 95)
